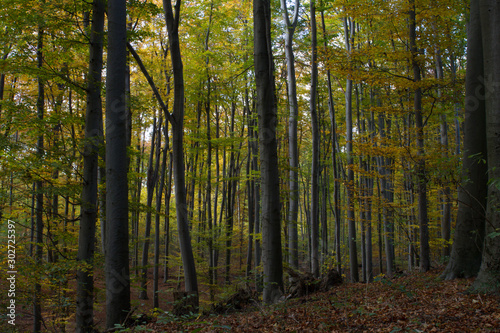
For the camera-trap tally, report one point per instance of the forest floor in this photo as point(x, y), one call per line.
point(418, 302)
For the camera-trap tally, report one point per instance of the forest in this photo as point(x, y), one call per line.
point(157, 157)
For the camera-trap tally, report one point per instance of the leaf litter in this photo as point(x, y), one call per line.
point(418, 302)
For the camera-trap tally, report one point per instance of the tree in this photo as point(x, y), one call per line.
point(40, 107)
point(420, 168)
point(315, 147)
point(93, 136)
point(488, 278)
point(177, 120)
point(117, 255)
point(466, 252)
point(349, 31)
point(266, 108)
point(292, 133)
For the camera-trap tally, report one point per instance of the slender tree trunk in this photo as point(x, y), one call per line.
point(159, 195)
point(333, 132)
point(387, 197)
point(266, 107)
point(89, 208)
point(172, 22)
point(315, 148)
point(257, 206)
point(40, 105)
point(117, 254)
point(292, 134)
point(353, 254)
point(168, 195)
point(445, 191)
point(152, 180)
point(425, 262)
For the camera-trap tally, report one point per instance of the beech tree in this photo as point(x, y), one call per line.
point(177, 119)
point(117, 253)
point(466, 252)
point(488, 279)
point(94, 137)
point(293, 152)
point(266, 108)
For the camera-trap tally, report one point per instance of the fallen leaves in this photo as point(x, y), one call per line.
point(416, 303)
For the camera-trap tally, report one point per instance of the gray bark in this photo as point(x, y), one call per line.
point(152, 177)
point(266, 107)
point(93, 139)
point(159, 195)
point(446, 191)
point(172, 22)
point(293, 151)
point(333, 131)
point(488, 278)
point(315, 148)
point(40, 106)
point(353, 253)
point(117, 254)
point(425, 262)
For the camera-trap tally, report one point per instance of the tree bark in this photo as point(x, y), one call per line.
point(488, 278)
point(159, 195)
point(315, 147)
point(425, 262)
point(172, 22)
point(152, 180)
point(333, 131)
point(40, 106)
point(266, 107)
point(293, 152)
point(117, 253)
point(353, 253)
point(93, 139)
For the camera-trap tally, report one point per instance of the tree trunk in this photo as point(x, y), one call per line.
point(488, 278)
point(168, 195)
point(266, 107)
point(353, 253)
point(40, 106)
point(159, 195)
point(386, 190)
point(425, 261)
point(315, 148)
point(93, 137)
point(445, 191)
point(117, 255)
point(152, 180)
point(333, 131)
point(293, 152)
point(172, 22)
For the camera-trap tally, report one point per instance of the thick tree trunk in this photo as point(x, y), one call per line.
point(93, 137)
point(117, 253)
point(488, 278)
point(266, 107)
